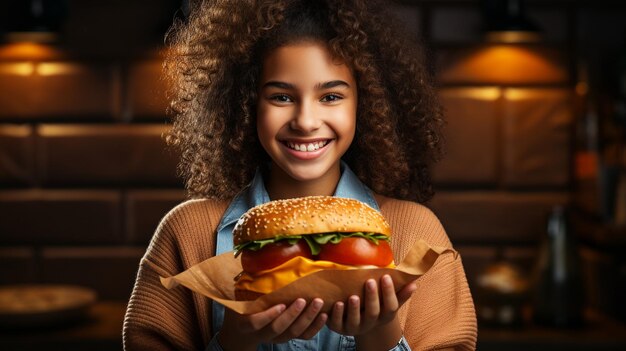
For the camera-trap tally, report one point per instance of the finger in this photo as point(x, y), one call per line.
point(285, 319)
point(405, 293)
point(315, 327)
point(304, 320)
point(353, 319)
point(372, 301)
point(390, 300)
point(336, 317)
point(259, 320)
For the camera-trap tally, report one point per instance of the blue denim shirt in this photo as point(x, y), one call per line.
point(349, 186)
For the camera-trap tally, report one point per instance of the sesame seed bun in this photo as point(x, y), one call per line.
point(308, 215)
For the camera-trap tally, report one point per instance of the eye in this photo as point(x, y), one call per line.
point(331, 98)
point(281, 98)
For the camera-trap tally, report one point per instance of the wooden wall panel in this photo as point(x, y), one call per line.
point(18, 265)
point(471, 137)
point(39, 217)
point(537, 125)
point(110, 271)
point(120, 154)
point(17, 155)
point(63, 90)
point(147, 86)
point(495, 217)
point(145, 209)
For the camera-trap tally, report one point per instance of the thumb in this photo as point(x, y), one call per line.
point(405, 293)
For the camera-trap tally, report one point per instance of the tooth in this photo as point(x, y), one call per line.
point(291, 146)
point(310, 147)
point(316, 146)
point(302, 147)
point(296, 146)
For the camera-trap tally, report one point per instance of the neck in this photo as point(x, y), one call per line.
point(281, 186)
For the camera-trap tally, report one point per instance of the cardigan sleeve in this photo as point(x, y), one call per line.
point(156, 318)
point(440, 314)
point(172, 319)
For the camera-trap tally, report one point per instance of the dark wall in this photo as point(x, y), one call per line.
point(84, 178)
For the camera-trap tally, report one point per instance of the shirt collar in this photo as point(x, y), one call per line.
point(349, 186)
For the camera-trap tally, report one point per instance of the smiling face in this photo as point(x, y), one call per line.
point(306, 118)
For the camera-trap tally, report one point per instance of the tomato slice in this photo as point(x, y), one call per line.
point(272, 255)
point(357, 251)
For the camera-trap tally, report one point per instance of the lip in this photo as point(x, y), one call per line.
point(304, 141)
point(306, 155)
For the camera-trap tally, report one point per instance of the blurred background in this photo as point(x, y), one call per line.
point(532, 190)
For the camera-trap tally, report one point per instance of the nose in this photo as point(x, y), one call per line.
point(306, 118)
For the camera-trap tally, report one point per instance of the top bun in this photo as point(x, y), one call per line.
point(308, 215)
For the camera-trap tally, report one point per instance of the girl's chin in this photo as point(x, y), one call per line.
point(301, 175)
point(308, 173)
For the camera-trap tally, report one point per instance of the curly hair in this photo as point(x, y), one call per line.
point(214, 62)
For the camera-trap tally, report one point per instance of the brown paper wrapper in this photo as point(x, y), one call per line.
point(214, 278)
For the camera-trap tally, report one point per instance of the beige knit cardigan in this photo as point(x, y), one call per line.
point(439, 315)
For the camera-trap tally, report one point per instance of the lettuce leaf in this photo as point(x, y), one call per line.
point(313, 240)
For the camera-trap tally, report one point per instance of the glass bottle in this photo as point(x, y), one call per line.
point(587, 160)
point(558, 297)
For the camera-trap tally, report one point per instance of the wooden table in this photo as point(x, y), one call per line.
point(102, 331)
point(599, 333)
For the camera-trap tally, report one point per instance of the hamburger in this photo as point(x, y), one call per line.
point(284, 240)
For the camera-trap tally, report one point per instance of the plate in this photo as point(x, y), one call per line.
point(43, 305)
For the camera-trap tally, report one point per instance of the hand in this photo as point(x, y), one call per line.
point(277, 324)
point(378, 311)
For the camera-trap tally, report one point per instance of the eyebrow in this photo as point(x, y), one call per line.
point(320, 86)
point(332, 84)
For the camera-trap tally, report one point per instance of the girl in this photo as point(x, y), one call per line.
point(278, 99)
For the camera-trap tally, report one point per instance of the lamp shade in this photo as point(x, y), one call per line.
point(498, 64)
point(32, 20)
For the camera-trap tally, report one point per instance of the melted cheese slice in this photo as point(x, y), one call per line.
point(265, 282)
